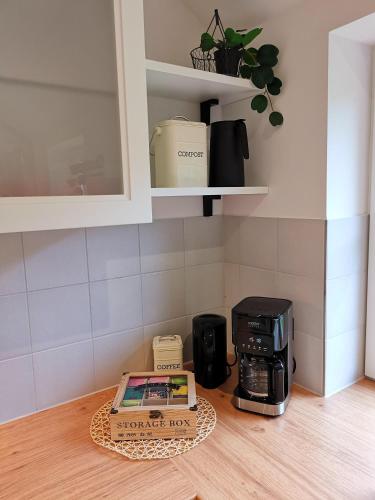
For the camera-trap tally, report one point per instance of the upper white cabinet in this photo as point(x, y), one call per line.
point(73, 114)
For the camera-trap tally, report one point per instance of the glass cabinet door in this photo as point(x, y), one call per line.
point(63, 96)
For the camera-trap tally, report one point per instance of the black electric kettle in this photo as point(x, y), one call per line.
point(228, 148)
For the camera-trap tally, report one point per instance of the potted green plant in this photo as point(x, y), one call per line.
point(229, 49)
point(258, 66)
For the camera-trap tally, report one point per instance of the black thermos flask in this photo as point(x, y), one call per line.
point(228, 148)
point(210, 350)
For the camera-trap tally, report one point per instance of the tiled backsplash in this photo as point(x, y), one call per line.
point(282, 258)
point(78, 307)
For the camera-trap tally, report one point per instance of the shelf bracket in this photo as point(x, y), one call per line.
point(206, 110)
point(207, 203)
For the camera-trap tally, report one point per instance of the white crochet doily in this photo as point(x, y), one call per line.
point(152, 448)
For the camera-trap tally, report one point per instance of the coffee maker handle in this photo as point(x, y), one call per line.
point(278, 374)
point(242, 131)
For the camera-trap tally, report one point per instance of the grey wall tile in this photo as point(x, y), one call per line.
point(116, 305)
point(59, 316)
point(257, 282)
point(345, 360)
point(347, 246)
point(204, 287)
point(162, 245)
point(232, 291)
point(12, 271)
point(309, 355)
point(115, 354)
point(14, 326)
point(345, 303)
point(113, 252)
point(307, 294)
point(55, 258)
point(17, 396)
point(301, 247)
point(163, 296)
point(203, 240)
point(172, 327)
point(232, 238)
point(64, 373)
point(258, 242)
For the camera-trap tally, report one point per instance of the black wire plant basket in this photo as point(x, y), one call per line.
point(224, 61)
point(204, 61)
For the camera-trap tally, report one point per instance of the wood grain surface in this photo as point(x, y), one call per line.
point(320, 449)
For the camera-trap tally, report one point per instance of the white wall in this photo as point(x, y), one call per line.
point(349, 125)
point(348, 170)
point(171, 31)
point(293, 159)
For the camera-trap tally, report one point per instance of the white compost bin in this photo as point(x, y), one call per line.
point(180, 149)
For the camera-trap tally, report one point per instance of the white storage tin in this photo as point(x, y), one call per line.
point(167, 353)
point(180, 149)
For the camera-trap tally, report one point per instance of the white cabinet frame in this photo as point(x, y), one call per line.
point(132, 207)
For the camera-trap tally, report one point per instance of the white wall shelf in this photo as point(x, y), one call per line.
point(207, 191)
point(189, 84)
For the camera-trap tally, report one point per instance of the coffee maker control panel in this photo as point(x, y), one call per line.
point(261, 345)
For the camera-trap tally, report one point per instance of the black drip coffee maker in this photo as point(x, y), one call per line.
point(263, 339)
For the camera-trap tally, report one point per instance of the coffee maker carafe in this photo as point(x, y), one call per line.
point(263, 339)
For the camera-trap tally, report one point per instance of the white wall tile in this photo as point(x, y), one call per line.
point(258, 242)
point(55, 258)
point(113, 252)
point(115, 354)
point(307, 294)
point(232, 292)
point(301, 247)
point(59, 316)
point(203, 240)
point(17, 396)
point(308, 352)
point(345, 359)
point(12, 271)
point(116, 305)
point(14, 326)
point(347, 246)
point(162, 245)
point(172, 327)
point(345, 303)
point(257, 282)
point(204, 287)
point(163, 296)
point(232, 238)
point(64, 373)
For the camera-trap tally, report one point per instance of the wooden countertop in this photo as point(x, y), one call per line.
point(320, 449)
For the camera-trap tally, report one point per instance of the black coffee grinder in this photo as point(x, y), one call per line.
point(263, 338)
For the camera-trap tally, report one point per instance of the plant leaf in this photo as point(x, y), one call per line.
point(261, 75)
point(207, 42)
point(233, 38)
point(250, 36)
point(270, 49)
point(259, 103)
point(275, 86)
point(245, 71)
point(276, 118)
point(250, 56)
point(267, 55)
